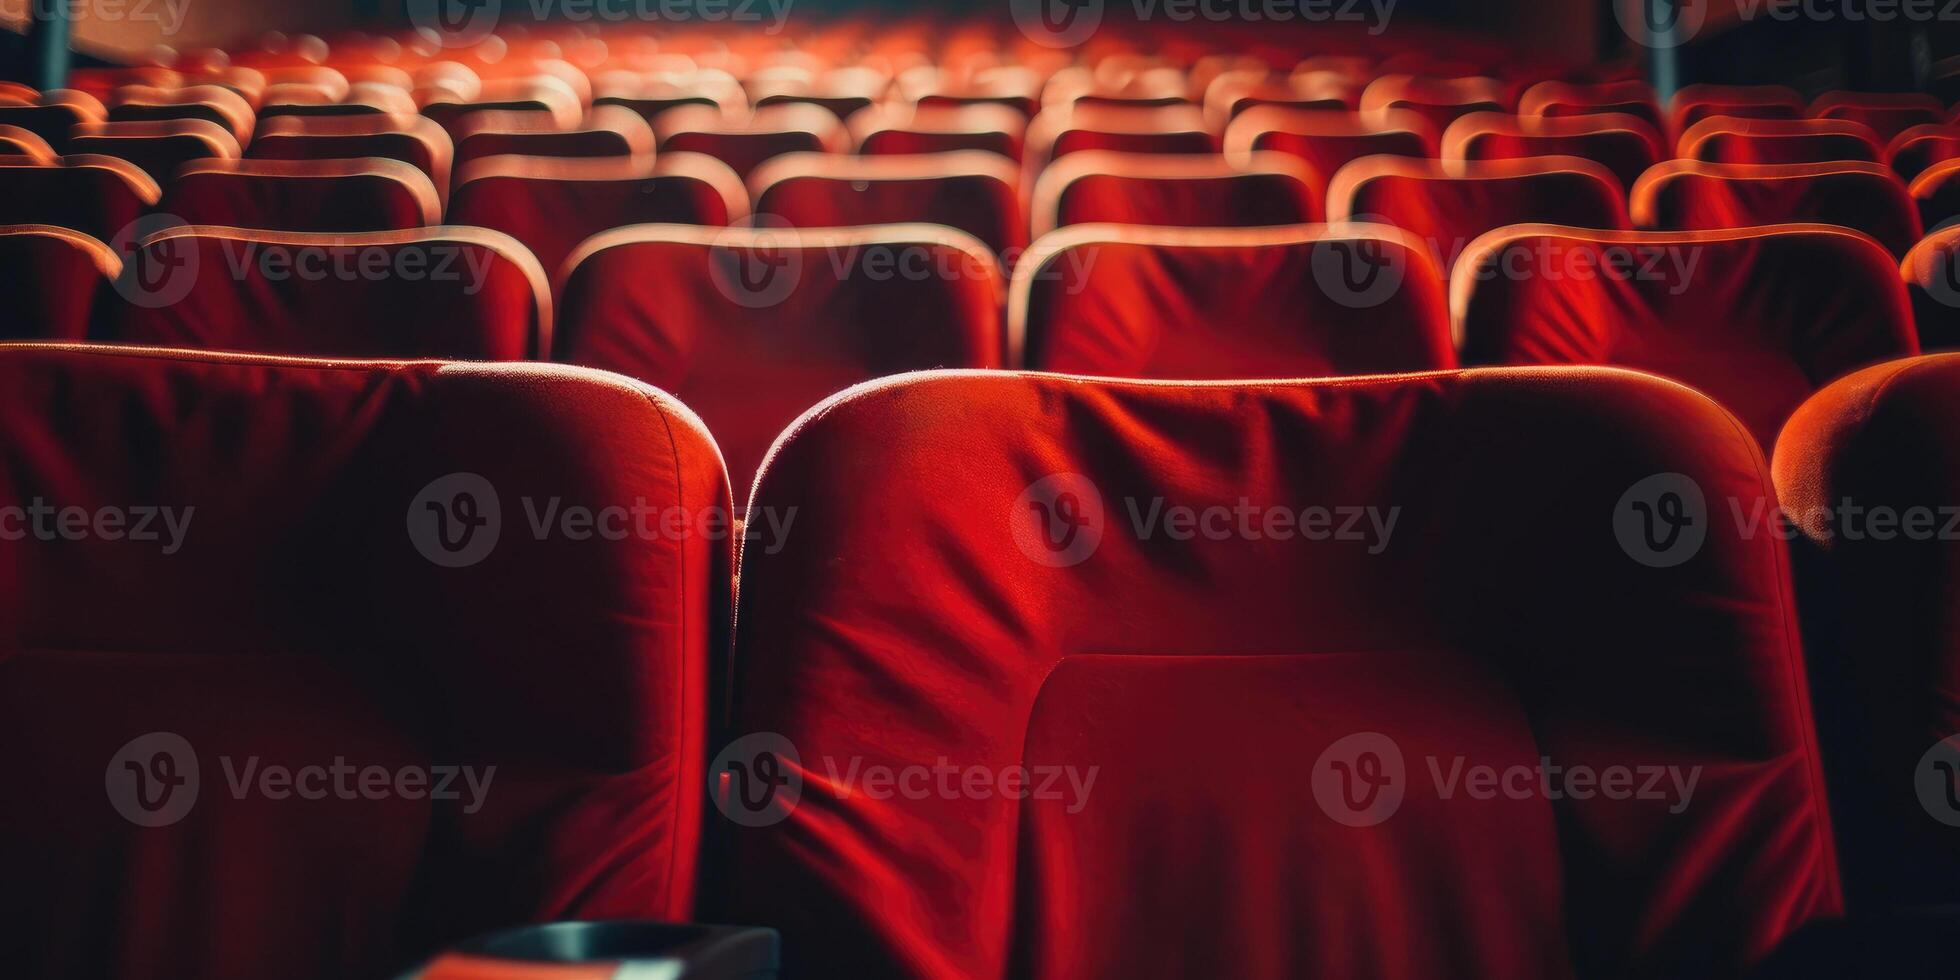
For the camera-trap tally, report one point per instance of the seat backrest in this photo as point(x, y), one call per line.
point(160, 146)
point(552, 204)
point(1687, 195)
point(414, 140)
point(1734, 139)
point(1914, 150)
point(1327, 141)
point(54, 276)
point(608, 131)
point(1693, 103)
point(1288, 302)
point(347, 195)
point(99, 196)
point(1931, 271)
point(1887, 114)
point(450, 292)
point(1174, 129)
point(1448, 205)
point(753, 326)
point(1867, 474)
point(1632, 98)
point(1117, 611)
point(1623, 144)
point(53, 115)
point(903, 129)
point(329, 742)
point(745, 142)
point(1258, 188)
point(18, 142)
point(1439, 101)
point(1936, 193)
point(213, 103)
point(973, 191)
point(1757, 318)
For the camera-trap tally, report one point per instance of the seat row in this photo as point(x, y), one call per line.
point(958, 572)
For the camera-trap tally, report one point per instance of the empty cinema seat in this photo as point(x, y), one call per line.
point(1936, 193)
point(1448, 205)
point(1693, 103)
point(1631, 98)
point(1757, 318)
point(1327, 141)
point(414, 140)
point(1888, 114)
point(1260, 188)
point(1112, 599)
point(1174, 129)
point(608, 131)
point(1867, 474)
point(54, 276)
point(274, 618)
point(102, 197)
point(1687, 195)
point(449, 292)
point(1912, 152)
point(157, 146)
point(1733, 139)
point(359, 194)
point(18, 142)
point(1932, 276)
point(53, 115)
point(974, 191)
point(1624, 144)
point(751, 326)
point(902, 129)
point(1290, 302)
point(1439, 101)
point(744, 142)
point(212, 103)
point(551, 204)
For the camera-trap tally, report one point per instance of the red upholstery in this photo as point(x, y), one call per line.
point(549, 98)
point(1875, 597)
point(296, 625)
point(159, 147)
point(1163, 189)
point(1918, 148)
point(1888, 115)
point(923, 616)
point(1732, 139)
point(972, 191)
point(1758, 319)
point(1684, 195)
point(53, 278)
point(651, 95)
point(1439, 101)
point(1932, 276)
point(1289, 302)
point(359, 194)
point(1234, 92)
point(842, 91)
point(745, 143)
point(1622, 144)
point(750, 327)
point(1448, 205)
point(465, 293)
point(99, 196)
point(1556, 98)
point(413, 140)
point(1936, 193)
point(608, 131)
point(1693, 103)
point(1328, 141)
point(899, 129)
point(53, 115)
point(212, 103)
point(18, 142)
point(1171, 129)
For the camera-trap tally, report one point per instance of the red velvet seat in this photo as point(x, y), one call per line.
point(1231, 93)
point(972, 191)
point(995, 572)
point(1439, 101)
point(99, 196)
point(1732, 139)
point(1936, 193)
point(18, 142)
point(1289, 302)
point(358, 194)
point(1623, 144)
point(1328, 141)
point(160, 147)
point(1867, 473)
point(1887, 114)
point(608, 131)
point(650, 95)
point(1686, 195)
point(414, 140)
point(53, 115)
point(904, 129)
point(292, 621)
point(1912, 151)
point(1260, 188)
point(1757, 318)
point(551, 99)
point(843, 92)
point(1448, 205)
point(449, 292)
point(1176, 129)
point(1630, 98)
point(1932, 276)
point(552, 204)
point(744, 143)
point(751, 327)
point(1693, 103)
point(53, 278)
point(212, 103)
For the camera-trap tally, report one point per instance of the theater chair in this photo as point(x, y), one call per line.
point(1932, 277)
point(18, 142)
point(1177, 129)
point(1693, 103)
point(53, 115)
point(1936, 193)
point(211, 103)
point(1328, 141)
point(745, 142)
point(1757, 318)
point(54, 276)
point(448, 292)
point(287, 621)
point(1233, 92)
point(549, 98)
point(1875, 581)
point(906, 129)
point(362, 99)
point(1631, 98)
point(159, 147)
point(412, 139)
point(1439, 101)
point(1292, 302)
point(1888, 114)
point(752, 326)
point(101, 197)
point(1623, 144)
point(1260, 188)
point(973, 191)
point(1686, 195)
point(552, 204)
point(608, 131)
point(843, 92)
point(981, 579)
point(1913, 151)
point(1447, 205)
point(651, 94)
point(348, 195)
point(1733, 139)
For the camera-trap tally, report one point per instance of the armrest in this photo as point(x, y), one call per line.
point(1906, 944)
point(601, 951)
